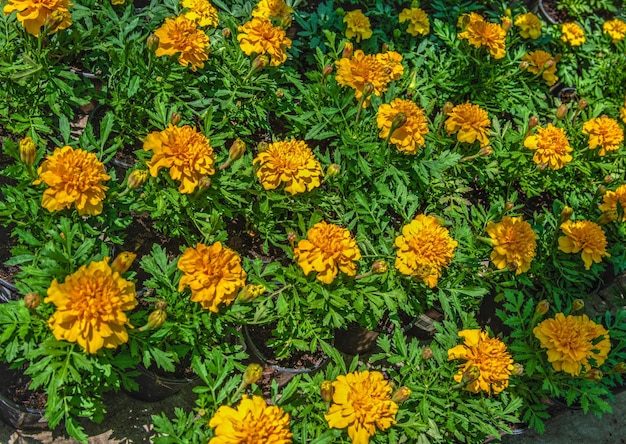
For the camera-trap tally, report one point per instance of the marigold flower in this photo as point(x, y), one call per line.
point(615, 28)
point(572, 34)
point(410, 136)
point(585, 236)
point(358, 25)
point(181, 35)
point(551, 147)
point(489, 356)
point(530, 25)
point(252, 422)
point(91, 306)
point(291, 162)
point(186, 152)
point(258, 36)
point(514, 242)
point(213, 273)
point(605, 133)
point(274, 9)
point(469, 122)
point(74, 177)
point(362, 404)
point(424, 248)
point(28, 151)
point(327, 248)
point(610, 201)
point(392, 65)
point(202, 12)
point(483, 33)
point(572, 341)
point(362, 69)
point(537, 61)
point(33, 14)
point(418, 21)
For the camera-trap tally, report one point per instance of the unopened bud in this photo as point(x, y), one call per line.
point(601, 191)
point(566, 214)
point(368, 89)
point(252, 374)
point(123, 261)
point(398, 121)
point(594, 375)
point(533, 121)
point(508, 205)
point(333, 170)
point(236, 150)
point(280, 93)
point(485, 151)
point(204, 183)
point(401, 395)
point(578, 304)
point(518, 369)
point(561, 112)
point(262, 146)
point(137, 178)
point(328, 69)
point(226, 33)
point(160, 304)
point(384, 48)
point(582, 104)
point(175, 118)
point(506, 23)
point(471, 374)
point(549, 64)
point(54, 20)
point(32, 301)
point(447, 108)
point(348, 49)
point(541, 166)
point(202, 413)
point(250, 292)
point(427, 353)
point(291, 237)
point(260, 62)
point(380, 267)
point(620, 368)
point(512, 266)
point(152, 42)
point(28, 151)
point(542, 307)
point(608, 178)
point(523, 65)
point(605, 218)
point(327, 391)
point(155, 320)
point(557, 58)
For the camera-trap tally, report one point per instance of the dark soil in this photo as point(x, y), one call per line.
point(15, 387)
point(558, 15)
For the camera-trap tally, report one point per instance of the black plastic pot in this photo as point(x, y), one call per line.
point(15, 415)
point(7, 292)
point(156, 387)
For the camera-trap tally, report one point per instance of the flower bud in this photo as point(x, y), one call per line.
point(328, 69)
point(160, 304)
point(523, 65)
point(204, 183)
point(447, 108)
point(485, 151)
point(605, 218)
point(28, 151)
point(53, 21)
point(557, 58)
point(608, 178)
point(252, 374)
point(508, 205)
point(236, 149)
point(123, 261)
point(401, 395)
point(506, 23)
point(566, 214)
point(32, 301)
point(601, 190)
point(518, 369)
point(427, 353)
point(620, 368)
point(262, 146)
point(561, 112)
point(549, 63)
point(384, 48)
point(152, 42)
point(380, 267)
point(260, 62)
point(542, 307)
point(348, 49)
point(533, 121)
point(578, 304)
point(582, 104)
point(175, 118)
point(291, 237)
point(594, 375)
point(398, 121)
point(202, 413)
point(280, 93)
point(470, 375)
point(512, 266)
point(541, 166)
point(327, 390)
point(250, 292)
point(368, 89)
point(333, 170)
point(226, 32)
point(155, 320)
point(137, 178)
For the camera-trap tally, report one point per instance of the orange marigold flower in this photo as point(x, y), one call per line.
point(181, 35)
point(358, 25)
point(253, 421)
point(274, 9)
point(359, 70)
point(572, 34)
point(410, 136)
point(514, 243)
point(470, 123)
point(33, 14)
point(615, 28)
point(362, 404)
point(258, 36)
point(487, 358)
point(424, 248)
point(202, 12)
point(74, 177)
point(573, 341)
point(483, 33)
point(392, 65)
point(605, 133)
point(537, 63)
point(213, 273)
point(91, 306)
point(418, 21)
point(529, 25)
point(585, 236)
point(184, 151)
point(551, 147)
point(291, 162)
point(610, 201)
point(327, 248)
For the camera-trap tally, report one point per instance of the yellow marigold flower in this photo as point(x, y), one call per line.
point(327, 248)
point(572, 341)
point(530, 25)
point(91, 306)
point(609, 204)
point(291, 162)
point(213, 273)
point(487, 355)
point(483, 33)
point(572, 34)
point(392, 65)
point(514, 243)
point(615, 28)
point(252, 422)
point(470, 123)
point(32, 14)
point(258, 36)
point(359, 70)
point(418, 21)
point(274, 9)
point(74, 177)
point(585, 236)
point(184, 151)
point(202, 12)
point(358, 25)
point(362, 404)
point(537, 64)
point(424, 248)
point(551, 147)
point(410, 136)
point(605, 133)
point(181, 35)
